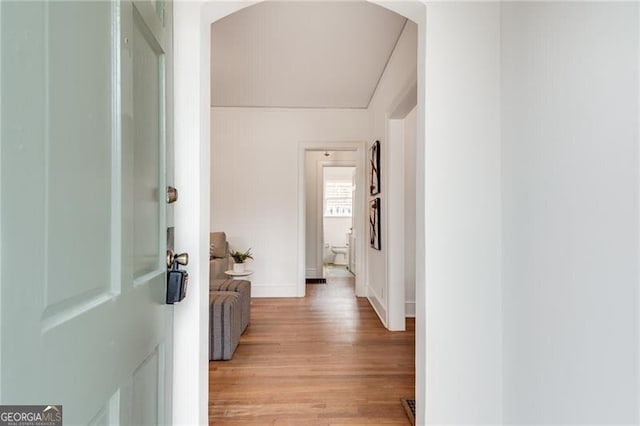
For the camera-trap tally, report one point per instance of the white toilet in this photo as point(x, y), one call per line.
point(328, 255)
point(341, 255)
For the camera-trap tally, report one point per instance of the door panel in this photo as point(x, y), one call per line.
point(109, 414)
point(82, 176)
point(145, 392)
point(78, 139)
point(147, 210)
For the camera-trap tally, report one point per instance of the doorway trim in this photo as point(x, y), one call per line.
point(359, 149)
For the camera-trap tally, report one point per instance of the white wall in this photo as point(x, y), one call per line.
point(254, 182)
point(271, 135)
point(570, 203)
point(410, 127)
point(399, 75)
point(314, 161)
point(463, 214)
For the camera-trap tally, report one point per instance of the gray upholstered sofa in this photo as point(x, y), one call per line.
point(229, 301)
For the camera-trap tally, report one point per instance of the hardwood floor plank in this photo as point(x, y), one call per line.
point(321, 360)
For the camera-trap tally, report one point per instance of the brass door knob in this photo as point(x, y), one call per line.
point(180, 259)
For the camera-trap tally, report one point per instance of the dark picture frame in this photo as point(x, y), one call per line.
point(374, 169)
point(375, 239)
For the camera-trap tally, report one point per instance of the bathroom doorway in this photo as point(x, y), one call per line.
point(338, 237)
point(332, 210)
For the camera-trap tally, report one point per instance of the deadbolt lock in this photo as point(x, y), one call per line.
point(172, 195)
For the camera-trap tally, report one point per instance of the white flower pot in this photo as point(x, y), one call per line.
point(238, 267)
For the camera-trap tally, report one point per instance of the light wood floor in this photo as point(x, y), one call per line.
point(322, 360)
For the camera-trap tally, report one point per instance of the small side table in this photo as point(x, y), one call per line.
point(238, 275)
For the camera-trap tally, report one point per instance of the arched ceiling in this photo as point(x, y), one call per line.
point(304, 54)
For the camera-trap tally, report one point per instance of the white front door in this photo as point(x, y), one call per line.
point(83, 121)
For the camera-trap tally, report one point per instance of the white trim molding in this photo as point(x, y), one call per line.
point(377, 305)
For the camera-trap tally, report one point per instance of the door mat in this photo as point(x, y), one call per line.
point(410, 408)
point(316, 280)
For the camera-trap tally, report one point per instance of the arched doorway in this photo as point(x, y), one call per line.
point(192, 22)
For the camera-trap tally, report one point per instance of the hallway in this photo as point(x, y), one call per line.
point(321, 360)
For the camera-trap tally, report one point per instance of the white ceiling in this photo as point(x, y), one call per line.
point(302, 54)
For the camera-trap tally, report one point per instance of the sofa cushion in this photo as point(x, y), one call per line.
point(218, 245)
point(218, 266)
point(243, 288)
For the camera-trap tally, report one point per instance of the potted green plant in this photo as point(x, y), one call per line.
point(239, 257)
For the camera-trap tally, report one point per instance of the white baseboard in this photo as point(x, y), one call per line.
point(377, 306)
point(410, 309)
point(266, 290)
point(312, 273)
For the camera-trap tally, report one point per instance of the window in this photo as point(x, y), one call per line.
point(338, 199)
